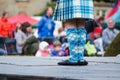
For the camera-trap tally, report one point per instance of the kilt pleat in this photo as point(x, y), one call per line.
point(69, 9)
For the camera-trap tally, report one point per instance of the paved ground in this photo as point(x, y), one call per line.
point(32, 68)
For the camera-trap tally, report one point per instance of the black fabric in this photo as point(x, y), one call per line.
point(49, 40)
point(90, 25)
point(2, 40)
point(31, 46)
point(68, 63)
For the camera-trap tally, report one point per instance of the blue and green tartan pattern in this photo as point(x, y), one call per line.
point(69, 9)
point(76, 39)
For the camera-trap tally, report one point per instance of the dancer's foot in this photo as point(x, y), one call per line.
point(82, 63)
point(68, 63)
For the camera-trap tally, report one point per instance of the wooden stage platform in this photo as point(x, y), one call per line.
point(33, 68)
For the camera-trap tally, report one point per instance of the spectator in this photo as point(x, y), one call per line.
point(93, 34)
point(96, 39)
point(22, 35)
point(5, 26)
point(100, 21)
point(109, 33)
point(31, 46)
point(46, 25)
point(58, 24)
point(61, 32)
point(43, 50)
point(98, 42)
point(18, 26)
point(57, 49)
point(7, 33)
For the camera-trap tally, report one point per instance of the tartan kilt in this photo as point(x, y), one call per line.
point(69, 9)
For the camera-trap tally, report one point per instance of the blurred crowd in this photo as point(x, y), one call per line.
point(43, 42)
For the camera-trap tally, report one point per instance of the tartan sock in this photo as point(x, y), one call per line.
point(76, 39)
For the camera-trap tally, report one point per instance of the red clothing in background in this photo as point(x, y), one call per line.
point(5, 28)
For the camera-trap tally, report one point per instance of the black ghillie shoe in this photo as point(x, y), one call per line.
point(68, 63)
point(82, 63)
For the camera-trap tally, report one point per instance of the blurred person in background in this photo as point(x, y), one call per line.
point(43, 50)
point(18, 26)
point(94, 41)
point(98, 42)
point(46, 25)
point(5, 26)
point(7, 33)
point(57, 49)
point(109, 33)
point(97, 29)
point(61, 34)
point(22, 35)
point(100, 21)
